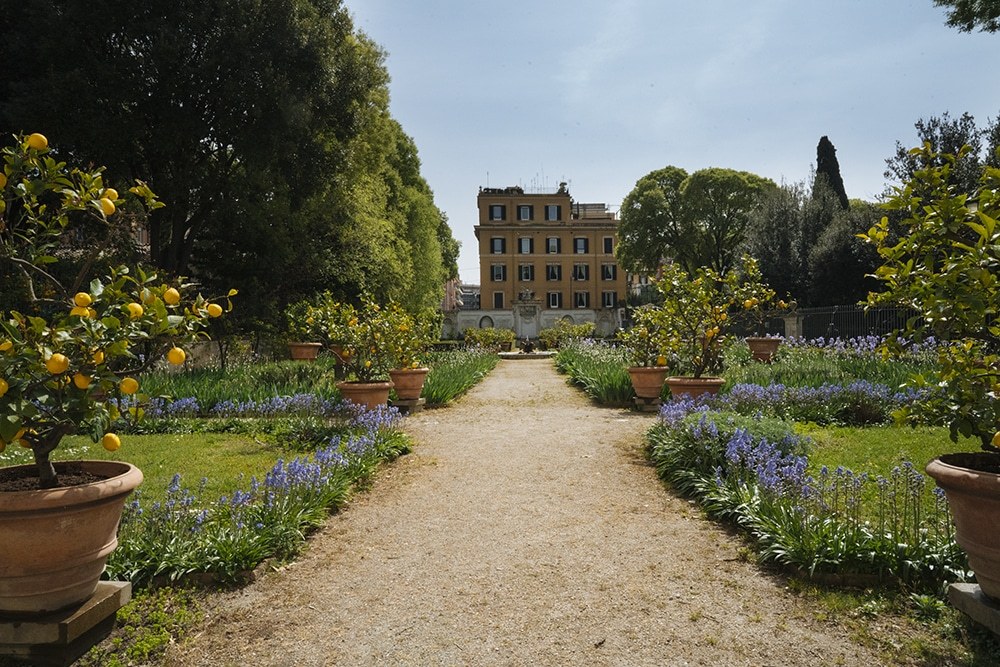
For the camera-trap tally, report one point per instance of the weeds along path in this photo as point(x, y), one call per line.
point(525, 529)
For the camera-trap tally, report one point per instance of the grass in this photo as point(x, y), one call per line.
point(877, 449)
point(226, 461)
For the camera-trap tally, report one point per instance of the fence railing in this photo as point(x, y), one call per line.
point(846, 321)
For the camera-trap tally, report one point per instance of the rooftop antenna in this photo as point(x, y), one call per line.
point(487, 178)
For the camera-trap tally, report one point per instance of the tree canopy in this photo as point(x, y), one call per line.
point(967, 15)
point(696, 219)
point(828, 168)
point(263, 126)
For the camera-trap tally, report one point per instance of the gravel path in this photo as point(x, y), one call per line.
point(525, 529)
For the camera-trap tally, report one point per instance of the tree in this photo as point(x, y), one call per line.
point(695, 220)
point(968, 14)
point(947, 136)
point(828, 168)
point(651, 227)
point(839, 264)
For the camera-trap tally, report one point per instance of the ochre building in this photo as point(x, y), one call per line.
point(547, 251)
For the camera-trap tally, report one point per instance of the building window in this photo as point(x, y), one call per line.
point(498, 246)
point(526, 245)
point(553, 212)
point(497, 300)
point(609, 299)
point(580, 245)
point(552, 245)
point(499, 272)
point(525, 212)
point(581, 272)
point(526, 272)
point(555, 299)
point(553, 272)
point(498, 212)
point(609, 245)
point(581, 299)
point(609, 271)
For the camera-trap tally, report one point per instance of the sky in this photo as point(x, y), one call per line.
point(598, 93)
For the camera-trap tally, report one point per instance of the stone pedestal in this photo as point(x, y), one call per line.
point(62, 637)
point(968, 598)
point(647, 404)
point(409, 407)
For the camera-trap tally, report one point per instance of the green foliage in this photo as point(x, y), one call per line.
point(57, 365)
point(454, 372)
point(695, 220)
point(599, 369)
point(967, 15)
point(828, 170)
point(946, 266)
point(489, 338)
point(565, 332)
point(146, 626)
point(648, 341)
point(694, 314)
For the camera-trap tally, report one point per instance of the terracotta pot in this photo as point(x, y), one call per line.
point(647, 381)
point(55, 541)
point(763, 349)
point(409, 382)
point(368, 394)
point(694, 387)
point(974, 499)
point(304, 351)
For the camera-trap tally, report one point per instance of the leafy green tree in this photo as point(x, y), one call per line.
point(774, 238)
point(695, 220)
point(839, 264)
point(651, 227)
point(967, 15)
point(947, 136)
point(828, 169)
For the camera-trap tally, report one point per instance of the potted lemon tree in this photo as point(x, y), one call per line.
point(647, 345)
point(410, 338)
point(68, 364)
point(365, 334)
point(943, 262)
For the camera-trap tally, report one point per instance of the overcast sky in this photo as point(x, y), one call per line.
point(600, 93)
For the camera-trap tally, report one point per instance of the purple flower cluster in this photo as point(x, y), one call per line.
point(858, 402)
point(277, 406)
point(858, 345)
point(771, 468)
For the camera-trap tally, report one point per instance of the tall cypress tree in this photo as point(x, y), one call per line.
point(827, 167)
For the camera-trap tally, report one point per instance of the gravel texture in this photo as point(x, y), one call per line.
point(525, 529)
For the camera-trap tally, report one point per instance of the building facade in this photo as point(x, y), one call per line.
point(544, 254)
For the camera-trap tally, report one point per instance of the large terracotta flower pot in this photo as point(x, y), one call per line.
point(974, 499)
point(647, 381)
point(763, 349)
point(54, 542)
point(409, 382)
point(368, 394)
point(304, 351)
point(694, 387)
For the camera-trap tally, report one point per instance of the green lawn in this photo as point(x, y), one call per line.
point(227, 461)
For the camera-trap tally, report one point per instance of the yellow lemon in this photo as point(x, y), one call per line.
point(172, 296)
point(996, 437)
point(81, 381)
point(661, 360)
point(57, 363)
point(98, 357)
point(3, 180)
point(135, 310)
point(6, 345)
point(748, 304)
point(3, 386)
point(80, 311)
point(111, 193)
point(91, 313)
point(176, 356)
point(38, 141)
point(214, 310)
point(82, 299)
point(107, 206)
point(129, 385)
point(111, 442)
